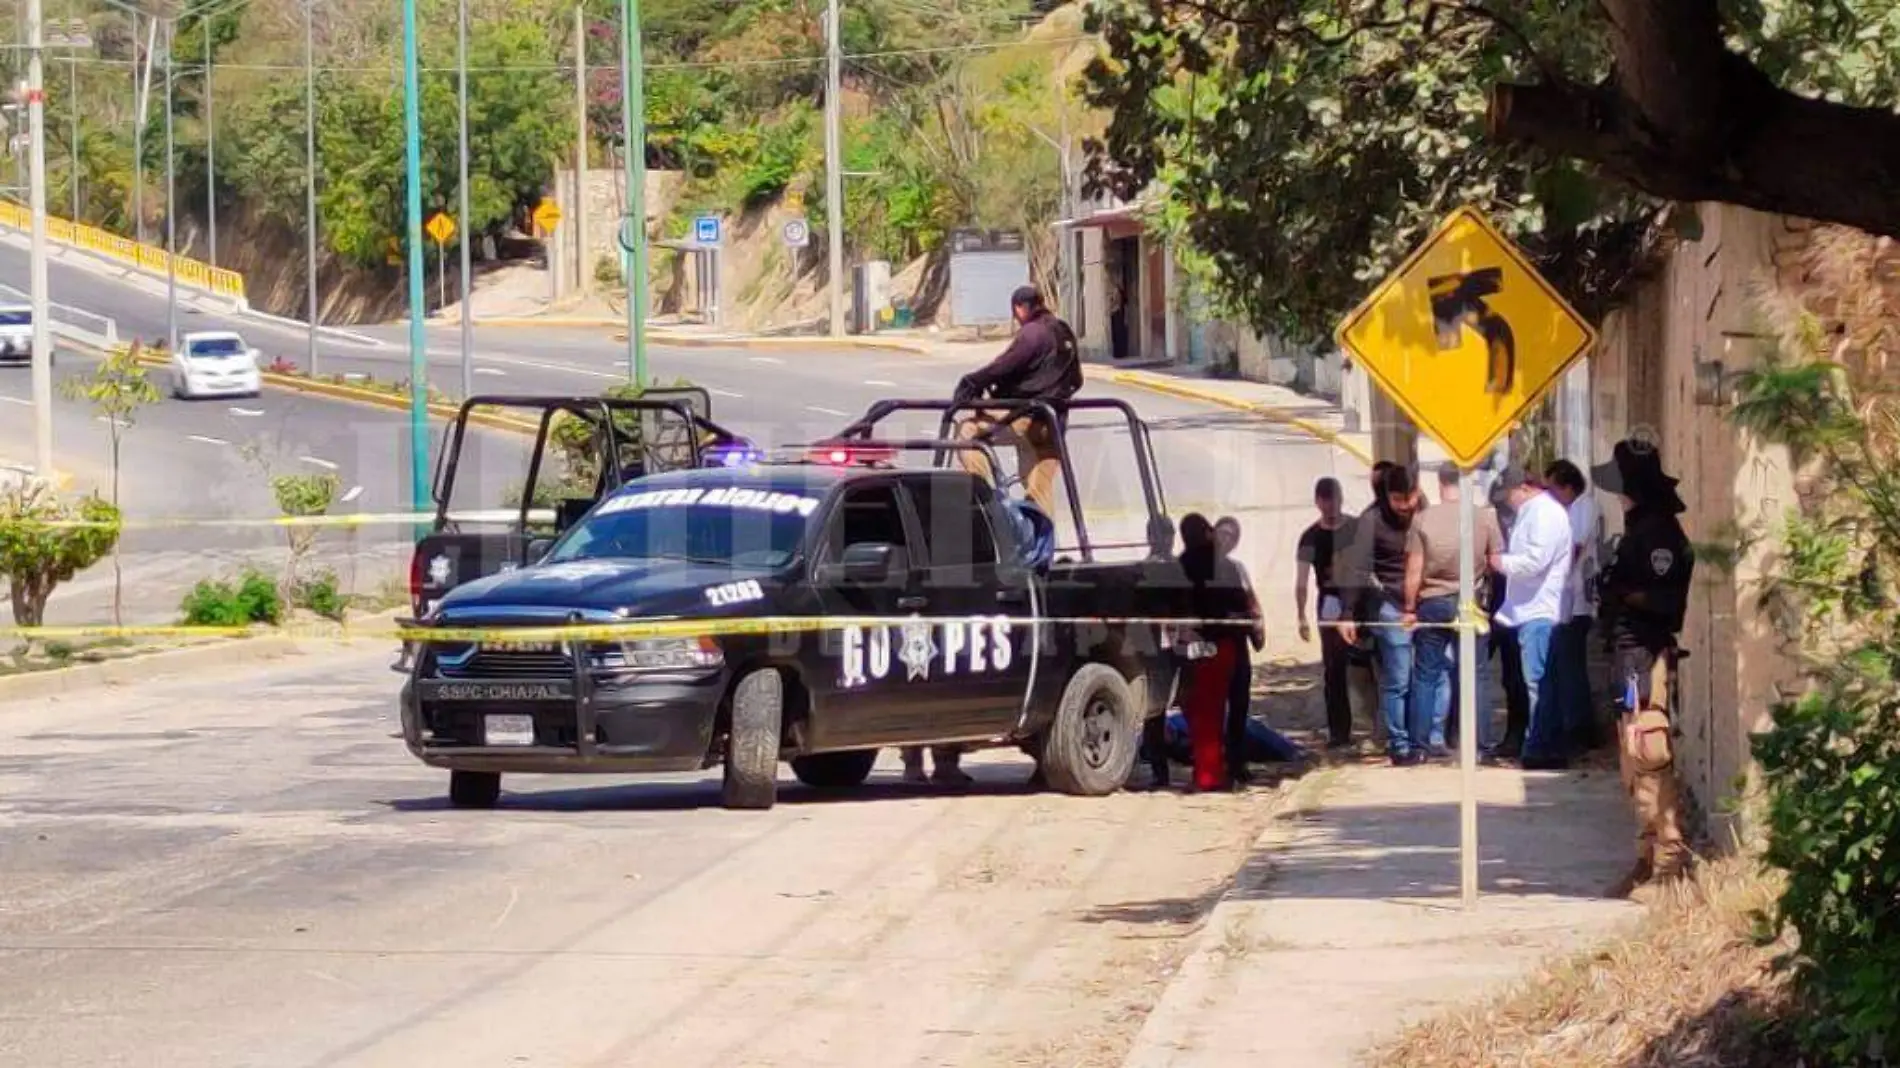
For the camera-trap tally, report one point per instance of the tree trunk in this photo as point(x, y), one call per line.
point(1683, 118)
point(29, 600)
point(118, 575)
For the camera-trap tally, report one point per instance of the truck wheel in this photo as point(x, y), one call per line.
point(752, 745)
point(1090, 748)
point(474, 789)
point(835, 771)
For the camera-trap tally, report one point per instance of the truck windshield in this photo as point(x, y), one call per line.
point(218, 347)
point(727, 525)
point(16, 318)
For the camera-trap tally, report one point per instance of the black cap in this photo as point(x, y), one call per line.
point(1026, 297)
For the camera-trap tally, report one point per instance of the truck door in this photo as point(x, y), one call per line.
point(987, 639)
point(865, 678)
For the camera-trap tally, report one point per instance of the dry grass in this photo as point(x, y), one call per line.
point(1687, 989)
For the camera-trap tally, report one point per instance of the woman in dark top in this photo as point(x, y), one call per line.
point(1218, 598)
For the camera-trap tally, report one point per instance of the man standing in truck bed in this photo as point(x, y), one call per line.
point(1044, 362)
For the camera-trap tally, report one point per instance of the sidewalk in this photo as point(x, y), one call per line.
point(1346, 925)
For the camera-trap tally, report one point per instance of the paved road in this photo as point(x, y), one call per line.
point(245, 868)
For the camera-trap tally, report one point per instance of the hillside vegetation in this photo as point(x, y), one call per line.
point(953, 118)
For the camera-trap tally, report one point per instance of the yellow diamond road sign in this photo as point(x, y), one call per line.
point(1465, 336)
point(441, 228)
point(547, 215)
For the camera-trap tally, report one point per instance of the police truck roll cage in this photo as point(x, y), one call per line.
point(1056, 413)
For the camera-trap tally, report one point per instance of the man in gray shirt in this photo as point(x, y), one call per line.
point(1431, 598)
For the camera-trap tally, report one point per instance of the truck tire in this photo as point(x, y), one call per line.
point(835, 771)
point(1090, 748)
point(474, 789)
point(752, 745)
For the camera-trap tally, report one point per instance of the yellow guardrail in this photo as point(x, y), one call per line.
point(99, 242)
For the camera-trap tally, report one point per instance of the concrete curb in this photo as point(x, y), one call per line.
point(1199, 970)
point(144, 667)
point(61, 480)
point(781, 344)
point(511, 321)
point(141, 667)
point(1158, 384)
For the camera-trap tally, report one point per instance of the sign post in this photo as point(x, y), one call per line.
point(442, 230)
point(1465, 337)
point(547, 215)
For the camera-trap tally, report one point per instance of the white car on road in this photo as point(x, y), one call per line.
point(16, 334)
point(215, 363)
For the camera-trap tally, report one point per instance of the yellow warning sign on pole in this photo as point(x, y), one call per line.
point(441, 228)
point(1465, 336)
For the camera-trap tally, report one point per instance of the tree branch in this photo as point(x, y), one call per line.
point(1793, 155)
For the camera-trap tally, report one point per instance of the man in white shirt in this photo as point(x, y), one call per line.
point(1536, 567)
point(1570, 655)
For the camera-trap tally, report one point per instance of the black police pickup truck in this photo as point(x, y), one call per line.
point(932, 611)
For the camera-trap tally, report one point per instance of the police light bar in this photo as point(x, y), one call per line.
point(737, 454)
point(853, 455)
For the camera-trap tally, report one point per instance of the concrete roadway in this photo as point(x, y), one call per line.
point(195, 880)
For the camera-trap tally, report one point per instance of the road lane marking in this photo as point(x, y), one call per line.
point(766, 359)
point(17, 400)
point(490, 371)
point(110, 421)
point(826, 411)
point(206, 440)
point(318, 462)
point(353, 493)
point(722, 393)
point(880, 382)
point(248, 413)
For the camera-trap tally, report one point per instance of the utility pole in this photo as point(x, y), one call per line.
point(583, 273)
point(468, 324)
point(36, 267)
point(834, 164)
point(418, 338)
point(142, 90)
point(211, 146)
point(310, 178)
point(72, 83)
point(171, 205)
point(633, 127)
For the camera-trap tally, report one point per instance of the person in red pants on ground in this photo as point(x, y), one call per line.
point(1218, 599)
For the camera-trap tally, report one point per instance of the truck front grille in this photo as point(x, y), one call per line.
point(460, 662)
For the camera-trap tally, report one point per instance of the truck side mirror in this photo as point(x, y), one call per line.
point(868, 563)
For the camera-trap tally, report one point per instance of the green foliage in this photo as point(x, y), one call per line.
point(1312, 143)
point(36, 555)
point(1831, 760)
point(318, 593)
point(253, 598)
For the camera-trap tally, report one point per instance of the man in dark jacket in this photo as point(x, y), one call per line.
point(1645, 598)
point(1043, 362)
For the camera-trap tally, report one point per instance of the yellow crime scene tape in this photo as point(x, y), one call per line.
point(642, 629)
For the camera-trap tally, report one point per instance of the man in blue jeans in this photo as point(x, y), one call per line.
point(1375, 584)
point(1431, 587)
point(1535, 567)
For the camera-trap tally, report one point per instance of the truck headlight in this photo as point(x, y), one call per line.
point(659, 654)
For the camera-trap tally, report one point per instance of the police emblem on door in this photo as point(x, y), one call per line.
point(979, 646)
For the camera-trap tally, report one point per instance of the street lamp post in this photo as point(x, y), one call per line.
point(461, 87)
point(310, 179)
point(418, 341)
point(42, 354)
point(633, 128)
point(171, 208)
point(211, 148)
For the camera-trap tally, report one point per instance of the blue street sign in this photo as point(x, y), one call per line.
point(706, 229)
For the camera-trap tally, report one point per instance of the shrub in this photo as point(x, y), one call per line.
point(222, 603)
point(36, 555)
point(318, 593)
